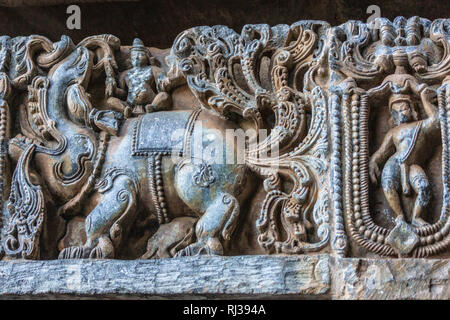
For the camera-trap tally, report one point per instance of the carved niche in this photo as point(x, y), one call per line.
point(390, 99)
point(276, 140)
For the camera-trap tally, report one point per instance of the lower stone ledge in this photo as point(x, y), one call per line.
point(190, 277)
point(255, 277)
point(381, 279)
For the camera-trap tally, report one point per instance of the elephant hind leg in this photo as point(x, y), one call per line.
point(215, 227)
point(107, 222)
point(169, 237)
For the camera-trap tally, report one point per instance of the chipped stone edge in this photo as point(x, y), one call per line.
point(189, 277)
point(390, 279)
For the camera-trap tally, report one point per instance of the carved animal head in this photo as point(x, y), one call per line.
point(75, 69)
point(44, 109)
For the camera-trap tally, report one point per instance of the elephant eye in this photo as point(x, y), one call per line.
point(81, 66)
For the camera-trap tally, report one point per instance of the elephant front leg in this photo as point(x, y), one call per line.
point(215, 227)
point(106, 225)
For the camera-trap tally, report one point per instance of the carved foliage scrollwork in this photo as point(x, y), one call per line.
point(308, 85)
point(27, 65)
point(26, 212)
point(255, 74)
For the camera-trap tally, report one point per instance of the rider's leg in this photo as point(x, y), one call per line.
point(162, 101)
point(390, 181)
point(421, 186)
point(404, 172)
point(118, 105)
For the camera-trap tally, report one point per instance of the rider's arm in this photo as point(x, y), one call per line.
point(121, 90)
point(380, 156)
point(386, 149)
point(432, 114)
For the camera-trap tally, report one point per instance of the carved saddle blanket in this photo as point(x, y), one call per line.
point(164, 132)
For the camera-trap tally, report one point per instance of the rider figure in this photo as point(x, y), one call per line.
point(140, 84)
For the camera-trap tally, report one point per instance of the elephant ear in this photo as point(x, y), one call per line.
point(32, 53)
point(25, 211)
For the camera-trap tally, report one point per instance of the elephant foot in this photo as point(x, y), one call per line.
point(170, 238)
point(73, 253)
point(103, 250)
point(210, 247)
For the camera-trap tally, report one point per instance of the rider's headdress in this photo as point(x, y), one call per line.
point(398, 97)
point(138, 45)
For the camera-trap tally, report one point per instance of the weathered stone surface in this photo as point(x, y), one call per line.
point(311, 277)
point(191, 277)
point(390, 279)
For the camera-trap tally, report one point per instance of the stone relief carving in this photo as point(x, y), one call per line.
point(396, 71)
point(139, 80)
point(277, 140)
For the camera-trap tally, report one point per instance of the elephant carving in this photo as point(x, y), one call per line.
point(180, 169)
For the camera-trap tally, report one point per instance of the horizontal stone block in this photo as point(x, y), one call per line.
point(190, 277)
point(390, 279)
point(302, 277)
